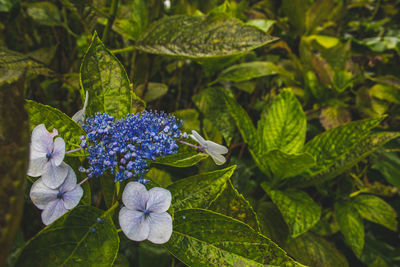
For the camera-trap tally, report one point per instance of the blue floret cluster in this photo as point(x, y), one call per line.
point(124, 146)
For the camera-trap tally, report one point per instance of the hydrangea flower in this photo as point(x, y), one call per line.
point(124, 146)
point(213, 149)
point(46, 157)
point(56, 202)
point(144, 215)
point(79, 116)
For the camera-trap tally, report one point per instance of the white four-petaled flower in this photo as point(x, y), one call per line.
point(213, 149)
point(56, 202)
point(46, 157)
point(144, 215)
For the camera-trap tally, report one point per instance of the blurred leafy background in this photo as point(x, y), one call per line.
point(297, 67)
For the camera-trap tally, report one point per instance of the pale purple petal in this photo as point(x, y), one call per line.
point(160, 227)
point(72, 198)
point(41, 140)
point(53, 210)
point(55, 175)
point(70, 180)
point(197, 137)
point(38, 166)
point(216, 148)
point(218, 158)
point(159, 200)
point(41, 195)
point(36, 154)
point(59, 151)
point(134, 224)
point(135, 196)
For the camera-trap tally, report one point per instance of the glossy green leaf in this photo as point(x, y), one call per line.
point(153, 92)
point(206, 238)
point(200, 190)
point(45, 13)
point(263, 24)
point(376, 210)
point(283, 124)
point(159, 176)
point(76, 239)
point(298, 209)
point(343, 163)
point(232, 204)
point(54, 118)
point(14, 149)
point(250, 70)
point(106, 80)
point(351, 226)
point(284, 165)
point(211, 103)
point(201, 37)
point(186, 157)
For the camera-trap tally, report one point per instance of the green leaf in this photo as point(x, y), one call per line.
point(153, 92)
point(211, 103)
point(298, 209)
point(376, 210)
point(108, 188)
point(334, 116)
point(206, 238)
point(263, 24)
point(232, 204)
point(296, 11)
point(283, 124)
point(159, 176)
point(351, 226)
point(8, 5)
point(200, 190)
point(284, 165)
point(201, 37)
point(106, 80)
point(344, 162)
point(385, 92)
point(44, 13)
point(14, 150)
point(190, 119)
point(186, 157)
point(54, 118)
point(76, 239)
point(389, 166)
point(250, 70)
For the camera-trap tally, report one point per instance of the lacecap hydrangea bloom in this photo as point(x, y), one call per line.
point(124, 146)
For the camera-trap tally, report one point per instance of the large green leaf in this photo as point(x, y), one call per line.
point(298, 209)
point(351, 226)
point(14, 150)
point(54, 118)
point(200, 190)
point(45, 13)
point(76, 239)
point(201, 37)
point(186, 157)
point(211, 103)
point(283, 124)
point(206, 238)
point(283, 165)
point(250, 70)
point(376, 210)
point(106, 80)
point(344, 162)
point(232, 204)
point(389, 165)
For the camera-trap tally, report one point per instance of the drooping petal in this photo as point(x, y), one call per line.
point(38, 166)
point(218, 158)
point(216, 148)
point(159, 200)
point(197, 137)
point(160, 227)
point(41, 139)
point(135, 196)
point(41, 195)
point(134, 224)
point(70, 180)
point(78, 116)
point(55, 175)
point(59, 151)
point(53, 210)
point(72, 198)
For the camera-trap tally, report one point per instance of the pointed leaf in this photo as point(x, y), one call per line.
point(298, 209)
point(376, 210)
point(200, 190)
point(201, 37)
point(206, 238)
point(54, 118)
point(186, 157)
point(77, 238)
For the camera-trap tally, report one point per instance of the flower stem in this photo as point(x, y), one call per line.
point(110, 210)
point(73, 150)
point(84, 180)
point(189, 144)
